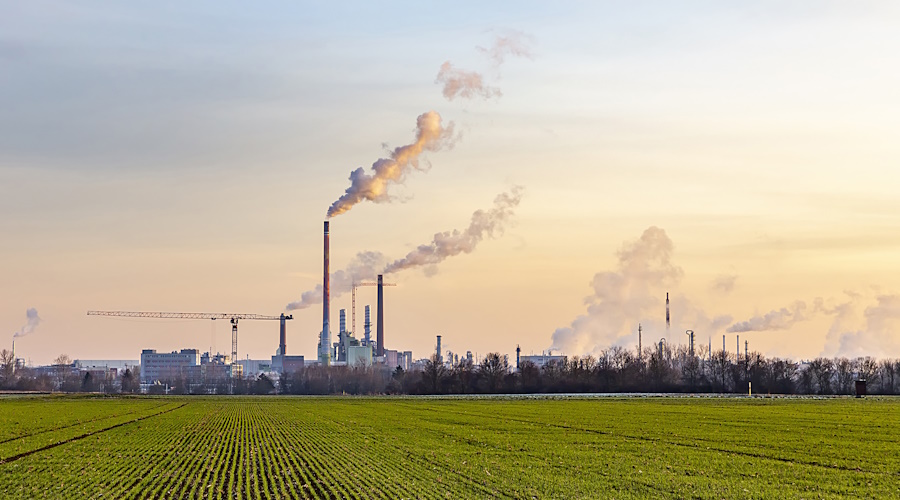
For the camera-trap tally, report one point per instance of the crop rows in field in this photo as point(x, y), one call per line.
point(272, 448)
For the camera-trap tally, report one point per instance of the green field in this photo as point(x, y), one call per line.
point(284, 447)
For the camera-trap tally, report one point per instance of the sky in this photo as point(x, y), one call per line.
point(741, 157)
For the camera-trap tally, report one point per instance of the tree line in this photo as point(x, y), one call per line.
point(615, 370)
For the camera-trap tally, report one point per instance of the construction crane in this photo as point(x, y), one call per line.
point(234, 317)
point(353, 306)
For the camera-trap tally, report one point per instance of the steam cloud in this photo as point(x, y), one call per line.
point(776, 319)
point(367, 265)
point(623, 297)
point(363, 267)
point(469, 84)
point(431, 135)
point(881, 322)
point(33, 321)
point(449, 243)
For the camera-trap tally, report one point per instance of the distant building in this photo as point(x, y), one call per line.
point(391, 358)
point(359, 355)
point(114, 367)
point(167, 365)
point(541, 360)
point(289, 364)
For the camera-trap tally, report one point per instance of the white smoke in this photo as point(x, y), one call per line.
point(469, 84)
point(449, 243)
point(33, 321)
point(625, 296)
point(880, 333)
point(466, 84)
point(863, 325)
point(367, 265)
point(515, 43)
point(431, 135)
point(363, 267)
point(776, 319)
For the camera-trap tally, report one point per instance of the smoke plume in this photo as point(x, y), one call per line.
point(33, 321)
point(515, 43)
point(623, 297)
point(466, 84)
point(776, 319)
point(879, 333)
point(449, 243)
point(431, 135)
point(363, 267)
point(470, 84)
point(367, 265)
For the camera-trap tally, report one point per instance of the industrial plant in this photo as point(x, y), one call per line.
point(360, 364)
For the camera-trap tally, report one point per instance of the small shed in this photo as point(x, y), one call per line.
point(860, 388)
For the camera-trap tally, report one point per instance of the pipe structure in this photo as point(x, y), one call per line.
point(667, 317)
point(368, 328)
point(325, 337)
point(379, 332)
point(342, 337)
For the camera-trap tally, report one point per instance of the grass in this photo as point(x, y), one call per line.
point(266, 447)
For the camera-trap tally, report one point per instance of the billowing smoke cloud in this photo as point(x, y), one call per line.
point(776, 319)
point(622, 298)
point(880, 333)
point(33, 321)
point(466, 84)
point(431, 135)
point(363, 267)
point(449, 243)
point(367, 265)
point(469, 84)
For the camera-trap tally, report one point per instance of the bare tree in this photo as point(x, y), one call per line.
point(822, 371)
point(61, 369)
point(434, 374)
point(843, 369)
point(888, 375)
point(7, 368)
point(866, 367)
point(492, 368)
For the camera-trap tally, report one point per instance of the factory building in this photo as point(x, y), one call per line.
point(113, 367)
point(284, 364)
point(166, 365)
point(359, 355)
point(542, 360)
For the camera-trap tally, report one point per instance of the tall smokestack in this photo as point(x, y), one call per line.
point(440, 358)
point(668, 324)
point(368, 327)
point(342, 337)
point(379, 332)
point(325, 337)
point(282, 338)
